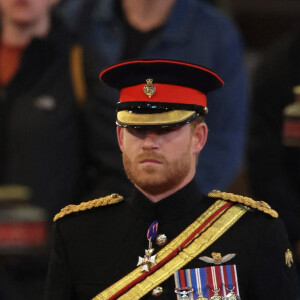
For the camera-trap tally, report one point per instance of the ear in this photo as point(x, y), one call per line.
point(120, 135)
point(199, 137)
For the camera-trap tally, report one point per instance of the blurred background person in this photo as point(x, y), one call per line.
point(188, 30)
point(274, 142)
point(41, 137)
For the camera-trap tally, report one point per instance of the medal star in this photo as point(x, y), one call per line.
point(147, 260)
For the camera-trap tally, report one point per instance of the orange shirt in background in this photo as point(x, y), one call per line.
point(10, 57)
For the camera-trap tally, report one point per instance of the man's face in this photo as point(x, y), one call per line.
point(25, 12)
point(159, 160)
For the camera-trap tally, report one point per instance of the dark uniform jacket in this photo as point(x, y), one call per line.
point(94, 248)
point(40, 130)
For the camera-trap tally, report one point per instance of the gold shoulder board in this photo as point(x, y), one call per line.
point(111, 199)
point(259, 205)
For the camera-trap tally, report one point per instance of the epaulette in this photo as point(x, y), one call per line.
point(259, 205)
point(111, 199)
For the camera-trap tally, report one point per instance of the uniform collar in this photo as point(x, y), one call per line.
point(175, 206)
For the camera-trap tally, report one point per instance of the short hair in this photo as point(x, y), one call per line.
point(199, 119)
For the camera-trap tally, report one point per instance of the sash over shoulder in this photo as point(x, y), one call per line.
point(203, 232)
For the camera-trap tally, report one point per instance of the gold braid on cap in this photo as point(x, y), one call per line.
point(259, 205)
point(111, 199)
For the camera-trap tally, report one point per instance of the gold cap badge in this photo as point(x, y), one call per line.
point(149, 88)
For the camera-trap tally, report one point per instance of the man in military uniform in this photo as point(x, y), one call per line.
point(168, 239)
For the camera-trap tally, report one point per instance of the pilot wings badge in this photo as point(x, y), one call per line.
point(217, 258)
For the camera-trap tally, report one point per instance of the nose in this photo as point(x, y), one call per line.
point(150, 141)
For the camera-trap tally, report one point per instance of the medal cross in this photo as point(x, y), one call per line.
point(147, 261)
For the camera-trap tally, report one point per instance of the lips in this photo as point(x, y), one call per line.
point(150, 161)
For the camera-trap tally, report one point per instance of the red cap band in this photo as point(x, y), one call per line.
point(164, 93)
